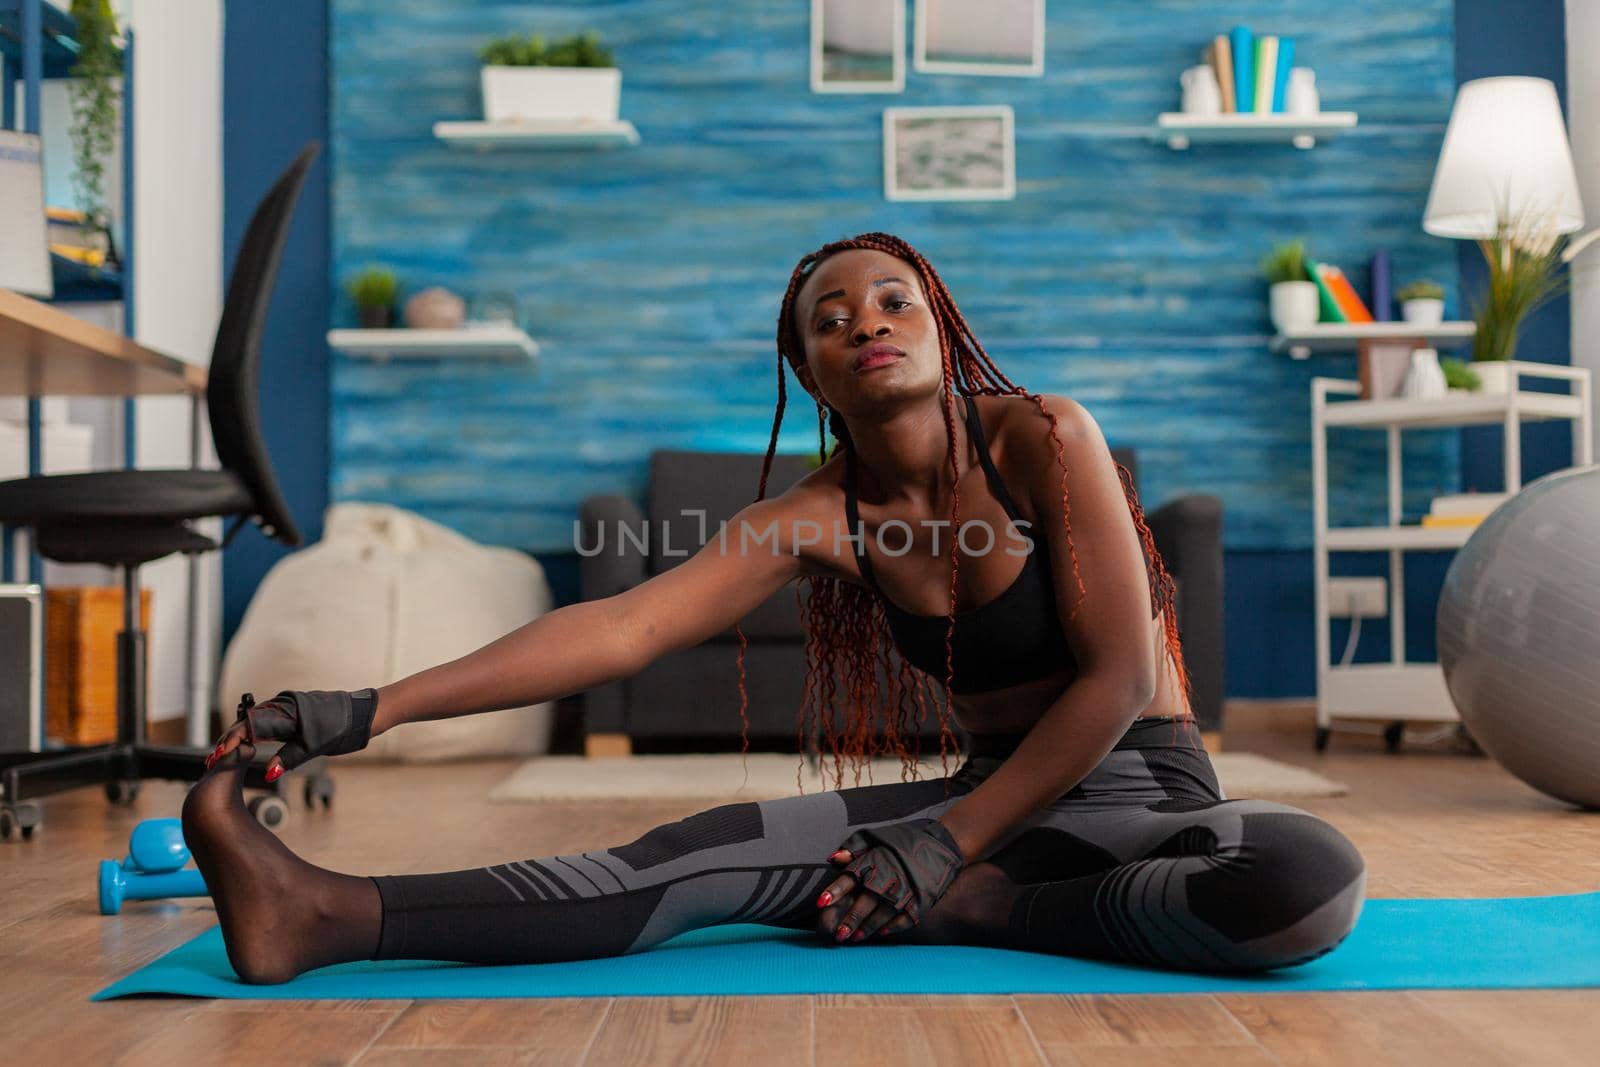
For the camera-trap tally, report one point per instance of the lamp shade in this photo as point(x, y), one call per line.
point(1505, 150)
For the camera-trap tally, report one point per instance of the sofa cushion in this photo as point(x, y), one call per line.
point(692, 494)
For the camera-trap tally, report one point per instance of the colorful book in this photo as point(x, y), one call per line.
point(1344, 294)
point(1381, 287)
point(1222, 63)
point(1244, 50)
point(1280, 86)
point(1266, 71)
point(1329, 307)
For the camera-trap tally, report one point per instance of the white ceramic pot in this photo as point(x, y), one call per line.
point(1292, 305)
point(1428, 311)
point(1494, 374)
point(573, 94)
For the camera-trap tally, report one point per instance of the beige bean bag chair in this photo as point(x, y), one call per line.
point(385, 594)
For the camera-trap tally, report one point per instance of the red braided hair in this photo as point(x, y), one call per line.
point(847, 638)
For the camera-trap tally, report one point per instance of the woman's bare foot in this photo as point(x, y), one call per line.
point(280, 915)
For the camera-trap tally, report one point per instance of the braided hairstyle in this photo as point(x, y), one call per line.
point(847, 637)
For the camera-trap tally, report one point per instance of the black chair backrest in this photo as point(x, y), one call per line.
point(233, 389)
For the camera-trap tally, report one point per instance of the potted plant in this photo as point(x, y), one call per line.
point(373, 290)
point(1524, 258)
point(1458, 376)
point(1291, 298)
point(1421, 302)
point(95, 96)
point(573, 80)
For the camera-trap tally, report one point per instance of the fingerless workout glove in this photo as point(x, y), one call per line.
point(316, 723)
point(908, 864)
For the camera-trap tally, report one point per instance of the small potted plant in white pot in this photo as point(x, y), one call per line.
point(1291, 298)
point(573, 80)
point(1421, 302)
point(1524, 258)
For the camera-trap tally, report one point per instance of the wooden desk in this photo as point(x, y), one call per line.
point(46, 352)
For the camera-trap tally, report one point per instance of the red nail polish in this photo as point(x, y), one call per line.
point(843, 932)
point(275, 773)
point(824, 900)
point(859, 935)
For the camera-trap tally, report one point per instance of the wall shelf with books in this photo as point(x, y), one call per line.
point(1180, 129)
point(1349, 336)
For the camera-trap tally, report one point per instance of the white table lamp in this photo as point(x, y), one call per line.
point(1505, 154)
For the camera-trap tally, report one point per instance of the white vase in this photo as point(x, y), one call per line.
point(1301, 96)
point(1425, 311)
point(1201, 94)
point(1292, 306)
point(1425, 379)
point(570, 94)
point(1495, 375)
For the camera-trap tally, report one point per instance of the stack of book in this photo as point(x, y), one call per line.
point(1253, 72)
point(1462, 509)
point(1338, 298)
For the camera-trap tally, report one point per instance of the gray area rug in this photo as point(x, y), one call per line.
point(767, 776)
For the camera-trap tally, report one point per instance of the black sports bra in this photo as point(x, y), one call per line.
point(1014, 638)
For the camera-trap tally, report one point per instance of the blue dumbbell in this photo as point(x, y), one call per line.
point(154, 868)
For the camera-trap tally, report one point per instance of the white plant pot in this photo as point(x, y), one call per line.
point(1292, 305)
point(572, 94)
point(1428, 311)
point(1495, 375)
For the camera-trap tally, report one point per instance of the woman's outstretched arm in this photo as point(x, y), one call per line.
point(583, 645)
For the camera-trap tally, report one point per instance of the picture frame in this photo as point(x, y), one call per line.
point(949, 153)
point(996, 38)
point(858, 46)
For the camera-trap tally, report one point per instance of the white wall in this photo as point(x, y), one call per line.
point(1583, 128)
point(177, 292)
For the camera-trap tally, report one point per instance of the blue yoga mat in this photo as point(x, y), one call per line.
point(1516, 942)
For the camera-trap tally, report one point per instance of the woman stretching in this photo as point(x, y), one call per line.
point(1086, 819)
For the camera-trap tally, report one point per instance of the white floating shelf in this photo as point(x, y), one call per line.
point(1383, 538)
point(537, 133)
point(1458, 408)
point(1180, 129)
point(474, 341)
point(1347, 336)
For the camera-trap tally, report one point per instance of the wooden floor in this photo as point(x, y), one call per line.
point(1431, 822)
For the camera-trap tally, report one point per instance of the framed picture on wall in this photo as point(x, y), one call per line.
point(858, 46)
point(998, 37)
point(949, 153)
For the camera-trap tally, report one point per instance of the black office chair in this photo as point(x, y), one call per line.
point(126, 518)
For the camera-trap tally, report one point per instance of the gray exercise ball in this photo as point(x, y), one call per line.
point(1519, 635)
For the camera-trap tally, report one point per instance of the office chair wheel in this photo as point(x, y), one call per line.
point(1393, 734)
point(23, 818)
point(1323, 733)
point(319, 787)
point(269, 810)
point(122, 791)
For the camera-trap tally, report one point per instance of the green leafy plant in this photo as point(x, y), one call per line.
point(518, 50)
point(95, 97)
point(1421, 289)
point(1457, 375)
point(1524, 258)
point(1286, 262)
point(374, 287)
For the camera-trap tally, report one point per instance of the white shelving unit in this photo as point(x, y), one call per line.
point(1399, 691)
point(1342, 336)
point(537, 133)
point(475, 340)
point(1180, 129)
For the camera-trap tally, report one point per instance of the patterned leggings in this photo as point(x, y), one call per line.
point(1144, 861)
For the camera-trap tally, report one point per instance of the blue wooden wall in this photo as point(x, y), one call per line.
point(1123, 274)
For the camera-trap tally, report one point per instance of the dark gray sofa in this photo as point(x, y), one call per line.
point(694, 693)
